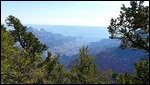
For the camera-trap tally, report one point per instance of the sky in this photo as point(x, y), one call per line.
point(76, 13)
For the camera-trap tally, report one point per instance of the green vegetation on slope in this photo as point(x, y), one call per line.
point(27, 67)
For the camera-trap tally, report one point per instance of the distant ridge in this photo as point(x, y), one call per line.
point(89, 33)
point(60, 25)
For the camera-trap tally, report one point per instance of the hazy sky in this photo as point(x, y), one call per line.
point(81, 13)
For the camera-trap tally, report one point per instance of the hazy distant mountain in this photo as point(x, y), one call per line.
point(116, 59)
point(57, 43)
point(96, 47)
point(89, 33)
point(108, 55)
point(52, 39)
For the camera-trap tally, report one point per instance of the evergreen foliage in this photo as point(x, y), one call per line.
point(27, 67)
point(28, 41)
point(85, 71)
point(132, 28)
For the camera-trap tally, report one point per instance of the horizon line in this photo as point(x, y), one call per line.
point(60, 25)
point(65, 25)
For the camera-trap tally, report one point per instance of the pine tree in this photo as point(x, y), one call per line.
point(54, 72)
point(8, 52)
point(20, 66)
point(132, 28)
point(85, 71)
point(28, 41)
point(142, 71)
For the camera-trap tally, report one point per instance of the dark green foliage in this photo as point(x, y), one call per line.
point(8, 52)
point(142, 71)
point(130, 21)
point(53, 71)
point(27, 67)
point(123, 78)
point(28, 41)
point(19, 66)
point(85, 70)
point(132, 28)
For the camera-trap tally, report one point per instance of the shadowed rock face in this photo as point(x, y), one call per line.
point(103, 44)
point(116, 59)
